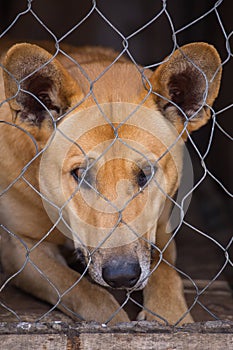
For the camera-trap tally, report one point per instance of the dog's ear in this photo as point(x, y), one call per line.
point(190, 79)
point(37, 85)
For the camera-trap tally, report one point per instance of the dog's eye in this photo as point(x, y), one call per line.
point(79, 173)
point(145, 175)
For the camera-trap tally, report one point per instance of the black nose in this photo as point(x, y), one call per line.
point(119, 273)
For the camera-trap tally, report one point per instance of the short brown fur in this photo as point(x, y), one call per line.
point(62, 84)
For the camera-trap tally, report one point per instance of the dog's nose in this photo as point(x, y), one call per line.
point(119, 273)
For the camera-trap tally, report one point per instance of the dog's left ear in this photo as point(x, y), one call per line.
point(37, 85)
point(190, 79)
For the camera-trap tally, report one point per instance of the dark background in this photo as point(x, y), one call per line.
point(211, 209)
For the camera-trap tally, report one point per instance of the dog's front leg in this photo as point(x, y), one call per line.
point(47, 277)
point(163, 296)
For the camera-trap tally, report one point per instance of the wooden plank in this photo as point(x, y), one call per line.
point(179, 341)
point(34, 342)
point(127, 336)
point(117, 341)
point(217, 298)
point(219, 286)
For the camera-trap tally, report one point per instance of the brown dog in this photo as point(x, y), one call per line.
point(93, 152)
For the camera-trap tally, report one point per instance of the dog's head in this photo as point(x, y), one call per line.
point(113, 158)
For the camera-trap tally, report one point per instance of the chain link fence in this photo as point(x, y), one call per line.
point(118, 191)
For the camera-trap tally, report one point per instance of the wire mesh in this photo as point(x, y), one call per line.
point(30, 247)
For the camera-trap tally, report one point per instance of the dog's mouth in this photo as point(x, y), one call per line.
point(77, 261)
point(118, 274)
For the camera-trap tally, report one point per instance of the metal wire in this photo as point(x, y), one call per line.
point(145, 81)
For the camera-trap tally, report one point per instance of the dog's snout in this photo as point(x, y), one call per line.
point(120, 273)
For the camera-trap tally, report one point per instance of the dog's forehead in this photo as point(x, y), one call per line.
point(113, 130)
point(118, 127)
point(130, 144)
point(117, 82)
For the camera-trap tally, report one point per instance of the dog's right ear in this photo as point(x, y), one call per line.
point(187, 84)
point(37, 85)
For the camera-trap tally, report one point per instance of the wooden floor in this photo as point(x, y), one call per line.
point(57, 332)
point(217, 299)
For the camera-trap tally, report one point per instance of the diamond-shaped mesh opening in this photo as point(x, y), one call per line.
point(104, 169)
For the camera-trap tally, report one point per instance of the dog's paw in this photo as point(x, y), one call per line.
point(147, 316)
point(97, 304)
point(141, 316)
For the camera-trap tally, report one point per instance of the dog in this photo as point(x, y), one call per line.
point(91, 153)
